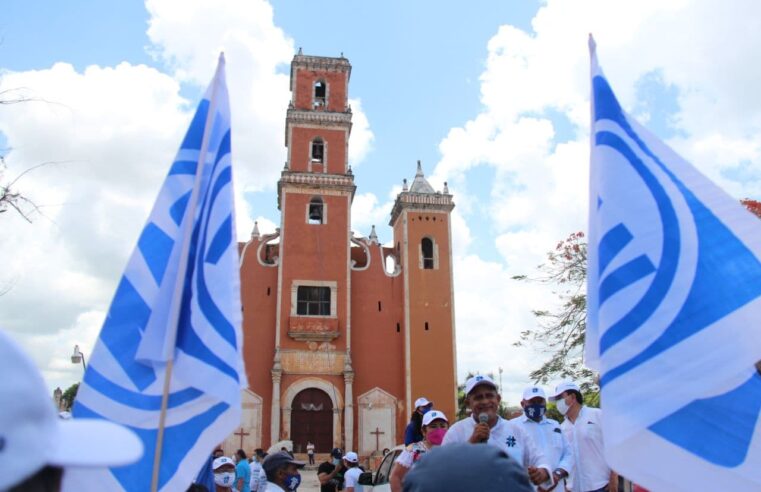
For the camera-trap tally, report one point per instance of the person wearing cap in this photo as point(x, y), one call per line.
point(38, 450)
point(353, 471)
point(582, 429)
point(331, 473)
point(258, 477)
point(413, 432)
point(546, 434)
point(462, 467)
point(282, 472)
point(484, 425)
point(434, 428)
point(224, 474)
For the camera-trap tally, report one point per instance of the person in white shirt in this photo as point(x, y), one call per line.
point(258, 477)
point(434, 428)
point(484, 425)
point(352, 473)
point(582, 429)
point(546, 434)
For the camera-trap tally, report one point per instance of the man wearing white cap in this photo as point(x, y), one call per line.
point(353, 471)
point(36, 447)
point(484, 425)
point(546, 434)
point(582, 429)
point(413, 432)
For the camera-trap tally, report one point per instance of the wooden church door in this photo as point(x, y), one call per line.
point(312, 420)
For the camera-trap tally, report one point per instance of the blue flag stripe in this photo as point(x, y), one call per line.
point(725, 439)
point(221, 241)
point(122, 331)
point(156, 246)
point(670, 248)
point(137, 400)
point(177, 210)
point(622, 277)
point(194, 136)
point(612, 243)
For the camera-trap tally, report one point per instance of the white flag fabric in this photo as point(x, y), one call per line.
point(179, 300)
point(674, 312)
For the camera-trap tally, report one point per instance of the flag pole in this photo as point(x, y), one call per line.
point(181, 271)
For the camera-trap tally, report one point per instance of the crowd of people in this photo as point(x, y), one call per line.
point(531, 452)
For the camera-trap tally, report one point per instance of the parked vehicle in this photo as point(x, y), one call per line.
point(380, 481)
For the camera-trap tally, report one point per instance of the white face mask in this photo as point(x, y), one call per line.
point(224, 479)
point(562, 406)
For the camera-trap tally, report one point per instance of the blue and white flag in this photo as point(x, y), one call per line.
point(178, 300)
point(674, 312)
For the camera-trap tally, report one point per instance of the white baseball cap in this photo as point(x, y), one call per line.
point(563, 387)
point(422, 402)
point(222, 461)
point(351, 457)
point(32, 435)
point(478, 380)
point(432, 415)
point(533, 392)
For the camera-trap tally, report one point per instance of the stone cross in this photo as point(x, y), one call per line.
point(241, 433)
point(377, 435)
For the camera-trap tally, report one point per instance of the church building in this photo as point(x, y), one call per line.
point(342, 334)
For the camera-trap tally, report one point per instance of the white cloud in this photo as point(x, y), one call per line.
point(539, 192)
point(361, 138)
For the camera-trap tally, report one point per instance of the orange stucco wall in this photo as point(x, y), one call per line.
point(335, 150)
point(377, 348)
point(337, 85)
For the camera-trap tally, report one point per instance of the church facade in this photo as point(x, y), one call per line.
point(342, 334)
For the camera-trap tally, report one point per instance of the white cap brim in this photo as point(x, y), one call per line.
point(94, 443)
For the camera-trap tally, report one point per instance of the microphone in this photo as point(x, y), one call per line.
point(483, 418)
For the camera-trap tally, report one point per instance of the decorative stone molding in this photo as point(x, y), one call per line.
point(437, 202)
point(312, 328)
point(324, 184)
point(312, 362)
point(362, 243)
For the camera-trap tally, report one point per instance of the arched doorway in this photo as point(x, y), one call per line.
point(312, 420)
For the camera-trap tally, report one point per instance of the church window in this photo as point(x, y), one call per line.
point(313, 301)
point(398, 327)
point(426, 326)
point(316, 211)
point(426, 247)
point(320, 94)
point(318, 150)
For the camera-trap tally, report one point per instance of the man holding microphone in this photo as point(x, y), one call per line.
point(486, 426)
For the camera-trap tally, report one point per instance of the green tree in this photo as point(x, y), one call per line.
point(560, 332)
point(68, 397)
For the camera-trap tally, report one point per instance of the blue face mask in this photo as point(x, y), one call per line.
point(292, 482)
point(535, 411)
point(424, 410)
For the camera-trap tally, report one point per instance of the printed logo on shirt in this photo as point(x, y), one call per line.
point(510, 441)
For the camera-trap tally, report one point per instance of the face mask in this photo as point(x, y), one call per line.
point(535, 411)
point(224, 479)
point(435, 436)
point(293, 481)
point(562, 406)
point(335, 461)
point(425, 410)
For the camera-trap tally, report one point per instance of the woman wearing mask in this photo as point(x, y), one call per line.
point(434, 426)
point(412, 432)
point(224, 474)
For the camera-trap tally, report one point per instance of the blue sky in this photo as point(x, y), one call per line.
point(492, 97)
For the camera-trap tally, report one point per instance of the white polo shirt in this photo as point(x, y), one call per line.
point(548, 436)
point(585, 440)
point(507, 436)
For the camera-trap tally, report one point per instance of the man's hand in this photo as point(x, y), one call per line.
point(480, 433)
point(537, 475)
